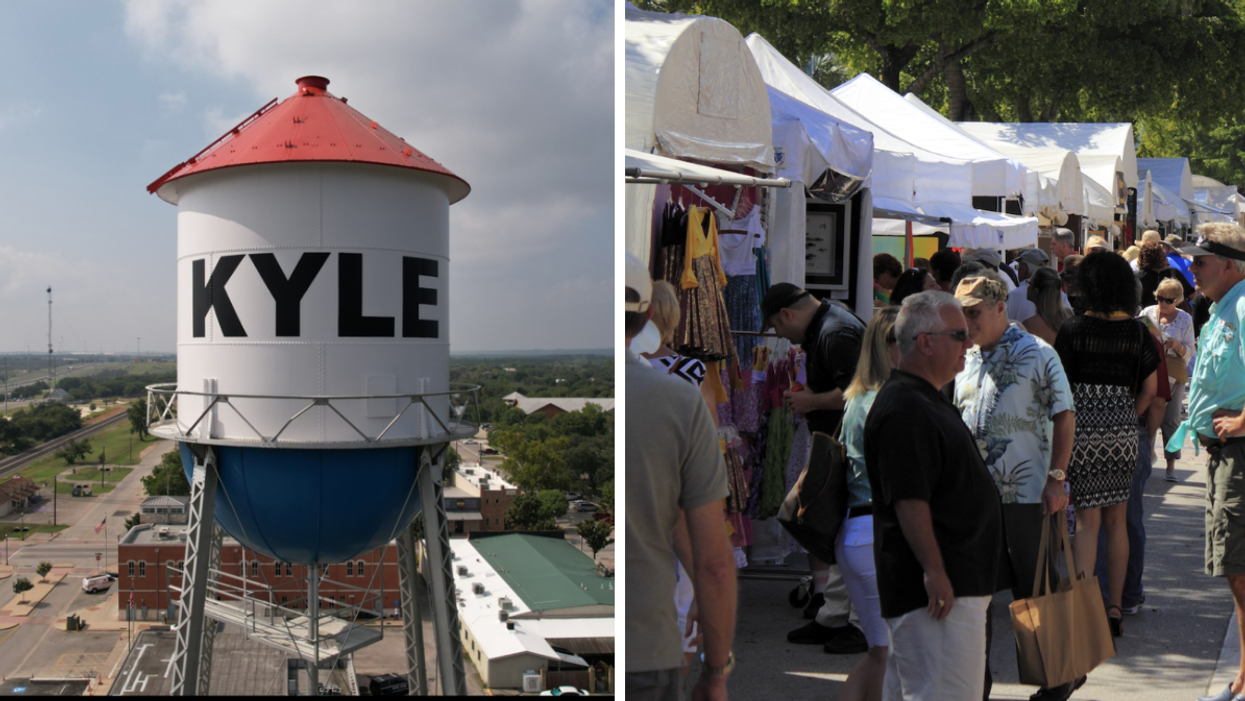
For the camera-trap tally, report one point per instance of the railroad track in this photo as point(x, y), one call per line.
point(20, 460)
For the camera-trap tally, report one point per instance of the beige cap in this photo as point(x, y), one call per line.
point(1095, 242)
point(975, 290)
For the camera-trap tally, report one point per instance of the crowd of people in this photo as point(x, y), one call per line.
point(981, 401)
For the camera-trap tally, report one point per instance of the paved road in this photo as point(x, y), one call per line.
point(1171, 650)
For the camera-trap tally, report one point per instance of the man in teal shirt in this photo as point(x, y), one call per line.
point(1216, 397)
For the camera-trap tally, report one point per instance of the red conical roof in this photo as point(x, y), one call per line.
point(311, 125)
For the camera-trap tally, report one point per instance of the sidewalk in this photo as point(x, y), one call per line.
point(1182, 644)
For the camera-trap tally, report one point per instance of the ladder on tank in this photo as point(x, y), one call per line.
point(192, 656)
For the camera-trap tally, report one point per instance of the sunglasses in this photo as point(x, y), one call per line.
point(1165, 300)
point(959, 335)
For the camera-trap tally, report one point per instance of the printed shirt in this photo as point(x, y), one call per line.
point(1219, 376)
point(1008, 398)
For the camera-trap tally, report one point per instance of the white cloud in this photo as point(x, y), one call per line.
point(13, 115)
point(515, 97)
point(172, 102)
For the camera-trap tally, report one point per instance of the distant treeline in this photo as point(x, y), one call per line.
point(547, 376)
point(36, 424)
point(112, 384)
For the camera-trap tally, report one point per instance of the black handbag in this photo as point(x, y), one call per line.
point(815, 508)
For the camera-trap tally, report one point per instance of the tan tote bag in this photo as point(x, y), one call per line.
point(1062, 634)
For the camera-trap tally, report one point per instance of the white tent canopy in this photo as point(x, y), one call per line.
point(1059, 167)
point(1223, 198)
point(648, 167)
point(693, 90)
point(1099, 202)
point(905, 176)
point(993, 174)
point(1167, 205)
point(807, 141)
point(1171, 173)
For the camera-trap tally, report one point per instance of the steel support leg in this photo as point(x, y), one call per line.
point(313, 613)
point(440, 573)
point(409, 585)
point(192, 666)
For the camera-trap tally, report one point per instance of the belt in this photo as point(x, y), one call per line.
point(855, 511)
point(1214, 445)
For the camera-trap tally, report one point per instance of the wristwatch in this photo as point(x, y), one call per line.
point(1058, 475)
point(718, 671)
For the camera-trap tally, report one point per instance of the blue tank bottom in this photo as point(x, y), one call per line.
point(308, 506)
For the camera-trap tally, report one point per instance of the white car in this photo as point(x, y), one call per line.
point(100, 582)
point(470, 441)
point(565, 691)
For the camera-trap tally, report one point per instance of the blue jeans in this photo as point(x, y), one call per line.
point(1134, 591)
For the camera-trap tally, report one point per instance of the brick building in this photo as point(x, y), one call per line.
point(16, 493)
point(145, 553)
point(477, 500)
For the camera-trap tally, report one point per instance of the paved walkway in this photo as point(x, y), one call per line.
point(1182, 644)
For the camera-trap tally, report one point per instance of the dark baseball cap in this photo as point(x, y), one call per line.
point(779, 297)
point(1206, 247)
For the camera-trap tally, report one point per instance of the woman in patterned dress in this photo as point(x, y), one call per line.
point(1110, 362)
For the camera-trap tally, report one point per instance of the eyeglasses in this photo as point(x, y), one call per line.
point(959, 335)
point(1165, 300)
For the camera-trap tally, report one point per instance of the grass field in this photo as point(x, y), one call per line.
point(119, 446)
point(151, 368)
point(90, 476)
point(11, 529)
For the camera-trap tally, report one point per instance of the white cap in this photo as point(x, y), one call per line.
point(638, 279)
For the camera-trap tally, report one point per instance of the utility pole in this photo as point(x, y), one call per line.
point(140, 347)
point(51, 366)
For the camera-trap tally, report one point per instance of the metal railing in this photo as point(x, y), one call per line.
point(462, 399)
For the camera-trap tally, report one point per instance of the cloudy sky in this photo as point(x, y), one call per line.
point(99, 99)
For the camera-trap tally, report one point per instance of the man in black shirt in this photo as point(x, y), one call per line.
point(937, 522)
point(830, 337)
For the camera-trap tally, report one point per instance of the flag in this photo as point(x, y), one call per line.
point(100, 527)
point(131, 598)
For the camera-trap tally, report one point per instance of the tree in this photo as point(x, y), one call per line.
point(452, 461)
point(528, 512)
point(168, 478)
point(74, 450)
point(43, 569)
point(596, 534)
point(21, 586)
point(553, 503)
point(132, 521)
point(606, 500)
point(137, 414)
point(534, 464)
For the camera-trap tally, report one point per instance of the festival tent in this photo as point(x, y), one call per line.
point(1106, 152)
point(831, 159)
point(1058, 168)
point(1168, 206)
point(908, 182)
point(1171, 173)
point(693, 91)
point(994, 174)
point(1218, 203)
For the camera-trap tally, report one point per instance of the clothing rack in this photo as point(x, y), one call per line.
point(730, 215)
point(766, 334)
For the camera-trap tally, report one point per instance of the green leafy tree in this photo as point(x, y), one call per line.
point(553, 503)
point(20, 586)
point(168, 477)
point(137, 414)
point(606, 500)
point(74, 450)
point(596, 534)
point(527, 512)
point(132, 521)
point(42, 570)
point(534, 464)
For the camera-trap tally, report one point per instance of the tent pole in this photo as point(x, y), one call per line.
point(908, 247)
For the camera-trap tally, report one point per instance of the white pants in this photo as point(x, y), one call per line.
point(683, 595)
point(853, 550)
point(936, 660)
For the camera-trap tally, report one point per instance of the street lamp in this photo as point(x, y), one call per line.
point(157, 577)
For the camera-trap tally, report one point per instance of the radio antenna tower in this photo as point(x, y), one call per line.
point(51, 363)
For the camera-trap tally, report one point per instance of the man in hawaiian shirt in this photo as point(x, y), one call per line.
point(1016, 401)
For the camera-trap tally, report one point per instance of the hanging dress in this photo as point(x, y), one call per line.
point(704, 330)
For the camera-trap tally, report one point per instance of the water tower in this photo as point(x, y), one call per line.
point(312, 405)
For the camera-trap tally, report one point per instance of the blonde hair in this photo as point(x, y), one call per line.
point(666, 312)
point(1176, 289)
point(1227, 234)
point(874, 366)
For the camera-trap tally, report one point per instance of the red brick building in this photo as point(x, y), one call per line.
point(145, 553)
point(477, 500)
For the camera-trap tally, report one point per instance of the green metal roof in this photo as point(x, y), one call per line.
point(547, 573)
